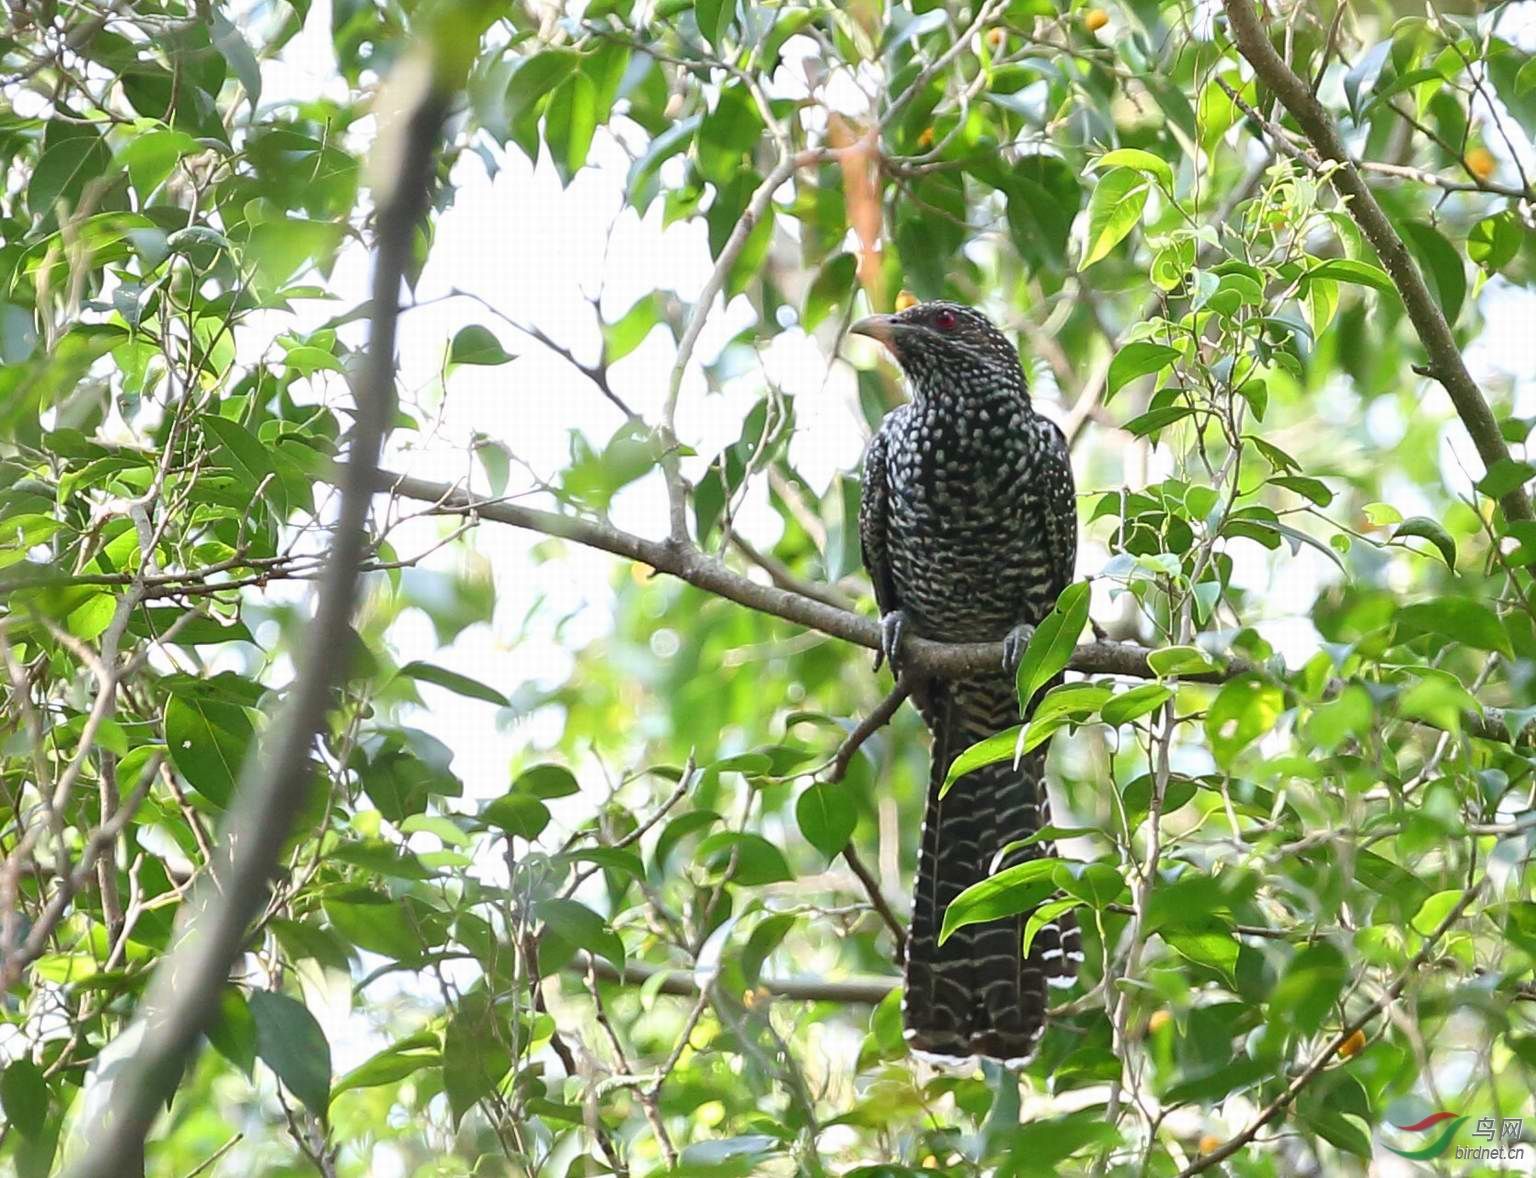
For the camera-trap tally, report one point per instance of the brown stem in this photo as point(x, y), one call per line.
point(1445, 359)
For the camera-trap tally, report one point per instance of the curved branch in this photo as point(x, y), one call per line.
point(184, 994)
point(687, 563)
point(1445, 360)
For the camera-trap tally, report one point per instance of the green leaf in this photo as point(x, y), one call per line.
point(1458, 618)
point(1051, 645)
point(475, 1055)
point(243, 454)
point(570, 124)
point(1211, 945)
point(714, 17)
point(1000, 746)
point(628, 332)
point(1352, 271)
point(827, 816)
point(546, 781)
point(1244, 709)
point(1442, 266)
point(1504, 476)
point(1428, 529)
point(536, 77)
point(67, 163)
point(393, 1064)
point(829, 290)
point(1044, 915)
point(207, 740)
point(1134, 704)
point(517, 814)
point(371, 920)
point(233, 1032)
point(1114, 210)
point(238, 53)
point(1137, 358)
point(454, 682)
point(758, 861)
point(291, 1043)
point(1010, 892)
point(477, 345)
point(1494, 241)
point(1095, 884)
point(24, 1096)
point(578, 926)
point(1140, 161)
point(1306, 991)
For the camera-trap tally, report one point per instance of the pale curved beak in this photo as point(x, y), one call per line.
point(877, 327)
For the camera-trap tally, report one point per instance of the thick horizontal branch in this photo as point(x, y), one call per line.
point(687, 563)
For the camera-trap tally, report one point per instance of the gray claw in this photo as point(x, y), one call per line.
point(1014, 645)
point(892, 626)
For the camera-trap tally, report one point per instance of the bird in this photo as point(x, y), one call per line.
point(968, 530)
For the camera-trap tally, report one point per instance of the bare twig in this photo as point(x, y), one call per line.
point(867, 727)
point(876, 897)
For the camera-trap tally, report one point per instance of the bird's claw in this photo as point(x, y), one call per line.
point(892, 626)
point(1014, 644)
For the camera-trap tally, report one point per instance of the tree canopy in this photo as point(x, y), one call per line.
point(476, 766)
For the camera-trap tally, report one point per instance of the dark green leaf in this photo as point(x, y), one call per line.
point(578, 926)
point(291, 1043)
point(207, 740)
point(24, 1096)
point(827, 817)
point(1428, 529)
point(454, 682)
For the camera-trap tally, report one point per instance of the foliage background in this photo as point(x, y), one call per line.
point(575, 890)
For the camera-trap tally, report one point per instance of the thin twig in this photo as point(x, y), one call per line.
point(1294, 1089)
point(867, 727)
point(1445, 359)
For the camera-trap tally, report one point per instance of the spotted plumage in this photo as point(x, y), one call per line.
point(969, 530)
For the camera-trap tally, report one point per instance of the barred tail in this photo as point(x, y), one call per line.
point(977, 994)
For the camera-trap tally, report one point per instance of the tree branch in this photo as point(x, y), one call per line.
point(687, 563)
point(184, 994)
point(1445, 360)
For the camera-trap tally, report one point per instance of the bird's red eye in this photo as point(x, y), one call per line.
point(945, 319)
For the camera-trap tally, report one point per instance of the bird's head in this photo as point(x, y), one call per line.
point(947, 348)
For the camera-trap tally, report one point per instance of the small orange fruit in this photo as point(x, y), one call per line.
point(1352, 1046)
point(1210, 1143)
point(905, 299)
point(996, 38)
point(1480, 163)
point(1095, 20)
point(925, 140)
point(1159, 1020)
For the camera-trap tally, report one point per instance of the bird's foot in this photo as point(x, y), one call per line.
point(892, 626)
point(1013, 646)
